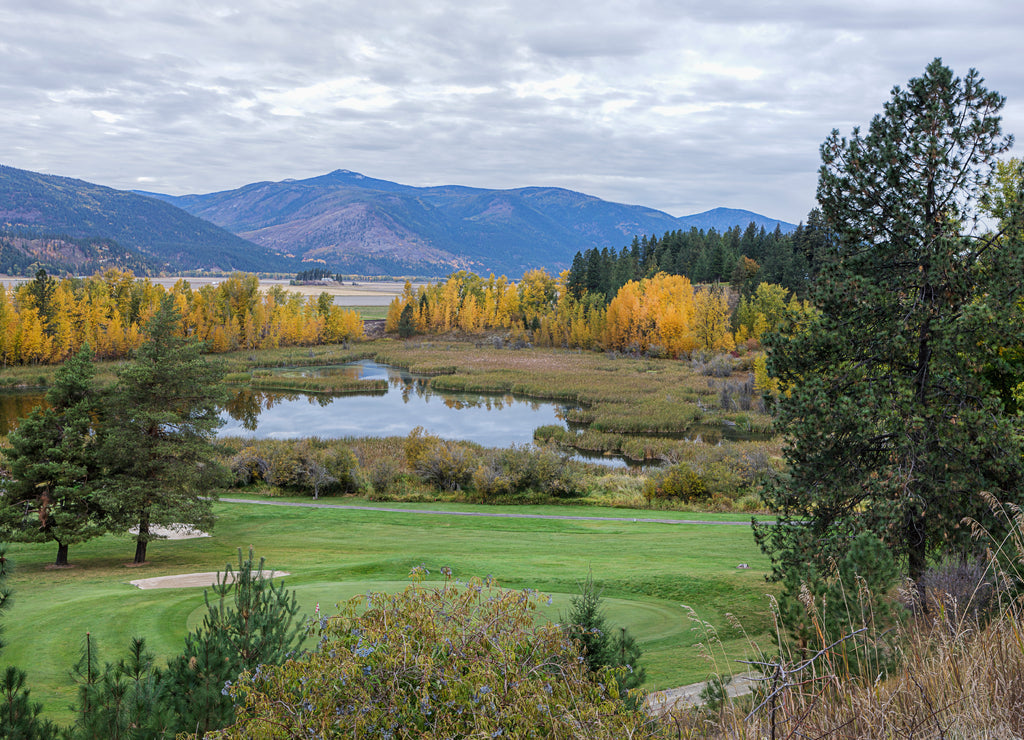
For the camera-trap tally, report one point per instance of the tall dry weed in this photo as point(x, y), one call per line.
point(958, 671)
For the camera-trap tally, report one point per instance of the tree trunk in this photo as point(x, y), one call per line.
point(140, 551)
point(917, 554)
point(62, 554)
point(143, 539)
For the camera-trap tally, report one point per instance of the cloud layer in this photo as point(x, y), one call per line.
point(677, 106)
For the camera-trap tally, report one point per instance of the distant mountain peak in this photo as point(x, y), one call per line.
point(356, 223)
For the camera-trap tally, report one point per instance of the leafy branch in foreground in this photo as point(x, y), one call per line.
point(436, 662)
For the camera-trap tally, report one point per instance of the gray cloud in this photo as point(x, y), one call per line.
point(677, 106)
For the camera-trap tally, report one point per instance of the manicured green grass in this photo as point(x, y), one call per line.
point(647, 572)
point(368, 313)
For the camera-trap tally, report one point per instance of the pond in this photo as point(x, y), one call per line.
point(489, 420)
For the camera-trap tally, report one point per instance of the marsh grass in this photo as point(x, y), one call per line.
point(642, 409)
point(330, 384)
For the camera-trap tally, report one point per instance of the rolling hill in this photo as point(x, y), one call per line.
point(77, 226)
point(352, 223)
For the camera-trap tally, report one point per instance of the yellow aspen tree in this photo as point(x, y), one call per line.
point(65, 340)
point(489, 303)
point(469, 315)
point(312, 320)
point(218, 339)
point(250, 334)
point(134, 336)
point(114, 341)
point(119, 284)
point(257, 329)
point(508, 304)
point(711, 325)
point(395, 308)
point(8, 324)
point(31, 339)
point(537, 294)
point(343, 324)
point(622, 325)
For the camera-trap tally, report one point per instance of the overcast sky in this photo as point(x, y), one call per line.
point(681, 106)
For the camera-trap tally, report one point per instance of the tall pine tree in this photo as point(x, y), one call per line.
point(53, 463)
point(893, 427)
point(162, 417)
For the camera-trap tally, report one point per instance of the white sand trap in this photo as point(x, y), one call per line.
point(192, 580)
point(173, 532)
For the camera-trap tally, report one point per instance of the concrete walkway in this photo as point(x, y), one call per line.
point(660, 702)
point(494, 514)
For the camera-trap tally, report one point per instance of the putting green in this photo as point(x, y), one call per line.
point(647, 571)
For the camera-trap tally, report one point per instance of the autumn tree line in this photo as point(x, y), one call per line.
point(47, 320)
point(741, 257)
point(664, 296)
point(663, 315)
point(639, 299)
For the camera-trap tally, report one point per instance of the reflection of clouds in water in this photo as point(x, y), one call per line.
point(494, 421)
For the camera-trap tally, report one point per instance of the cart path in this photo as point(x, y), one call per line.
point(494, 514)
point(667, 700)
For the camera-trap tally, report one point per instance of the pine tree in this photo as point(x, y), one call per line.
point(407, 322)
point(893, 428)
point(163, 414)
point(54, 467)
point(122, 700)
point(601, 643)
point(250, 621)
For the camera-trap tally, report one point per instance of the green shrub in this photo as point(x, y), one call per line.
point(552, 433)
point(490, 482)
point(249, 465)
point(384, 475)
point(301, 465)
point(678, 482)
point(342, 465)
point(849, 601)
point(417, 444)
point(451, 661)
point(438, 462)
point(518, 469)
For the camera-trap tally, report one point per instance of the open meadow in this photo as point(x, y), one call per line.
point(647, 571)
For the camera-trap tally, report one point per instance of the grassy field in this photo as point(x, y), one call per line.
point(648, 572)
point(368, 313)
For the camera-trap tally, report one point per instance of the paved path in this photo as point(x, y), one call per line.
point(660, 702)
point(495, 514)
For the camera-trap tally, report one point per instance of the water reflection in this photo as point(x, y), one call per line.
point(15, 406)
point(496, 420)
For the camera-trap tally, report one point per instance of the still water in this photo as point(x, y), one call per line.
point(489, 420)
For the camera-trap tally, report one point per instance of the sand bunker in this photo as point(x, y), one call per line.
point(174, 532)
point(192, 580)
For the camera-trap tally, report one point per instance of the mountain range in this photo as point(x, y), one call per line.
point(343, 221)
point(121, 228)
point(349, 222)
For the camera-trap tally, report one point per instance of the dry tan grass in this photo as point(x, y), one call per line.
point(955, 676)
point(960, 681)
